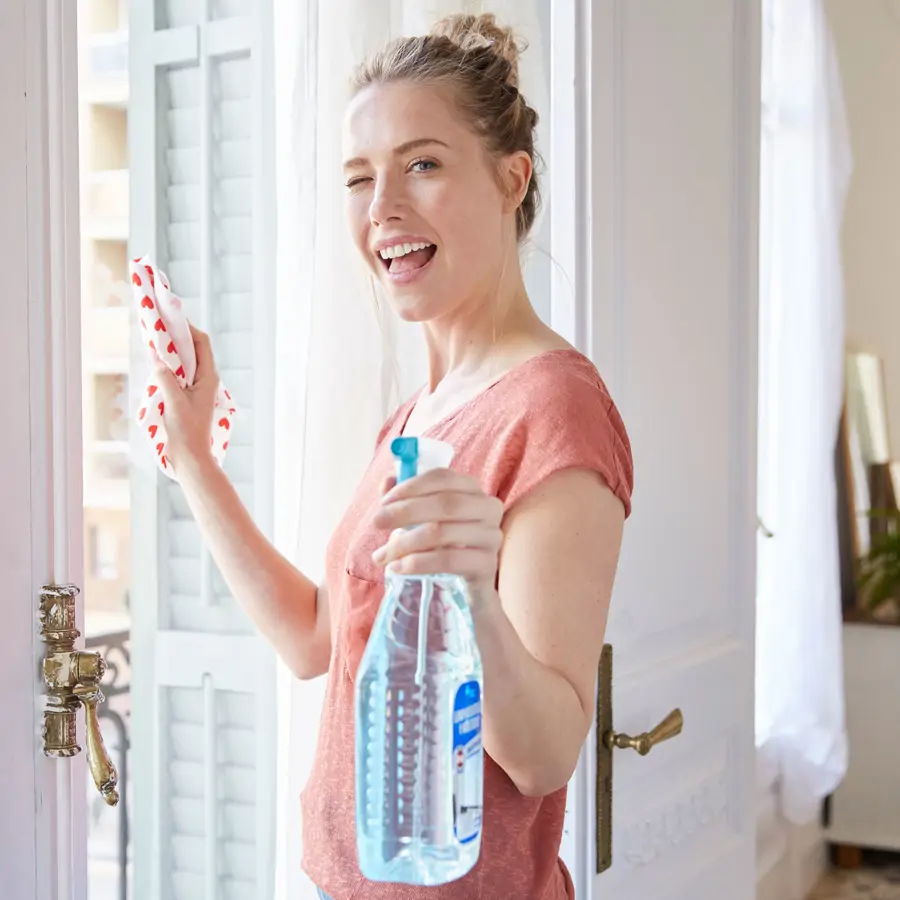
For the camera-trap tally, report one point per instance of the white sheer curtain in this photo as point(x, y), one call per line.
point(805, 172)
point(339, 370)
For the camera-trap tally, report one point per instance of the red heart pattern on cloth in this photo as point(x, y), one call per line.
point(160, 311)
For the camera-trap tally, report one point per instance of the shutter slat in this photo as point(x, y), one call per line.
point(177, 13)
point(235, 311)
point(183, 85)
point(183, 165)
point(182, 127)
point(234, 236)
point(235, 271)
point(236, 784)
point(234, 348)
point(184, 245)
point(183, 204)
point(240, 383)
point(236, 78)
point(234, 745)
point(235, 159)
point(226, 9)
point(188, 613)
point(233, 197)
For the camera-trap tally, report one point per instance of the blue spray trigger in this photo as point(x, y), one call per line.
point(406, 449)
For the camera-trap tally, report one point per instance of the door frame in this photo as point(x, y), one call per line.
point(44, 852)
point(571, 297)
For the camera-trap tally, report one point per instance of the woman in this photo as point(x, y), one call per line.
point(441, 190)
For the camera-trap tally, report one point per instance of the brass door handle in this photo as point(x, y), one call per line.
point(73, 680)
point(607, 741)
point(671, 726)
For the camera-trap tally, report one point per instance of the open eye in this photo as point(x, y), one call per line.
point(422, 165)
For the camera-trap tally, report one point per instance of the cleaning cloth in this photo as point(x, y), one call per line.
point(164, 328)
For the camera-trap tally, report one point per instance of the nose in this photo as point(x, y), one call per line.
point(387, 203)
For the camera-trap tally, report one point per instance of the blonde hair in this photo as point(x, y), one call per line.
point(479, 60)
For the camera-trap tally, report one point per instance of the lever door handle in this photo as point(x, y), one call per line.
point(671, 726)
point(607, 741)
point(73, 680)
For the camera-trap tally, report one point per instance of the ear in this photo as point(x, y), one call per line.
point(516, 170)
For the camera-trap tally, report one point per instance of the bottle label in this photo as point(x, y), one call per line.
point(468, 763)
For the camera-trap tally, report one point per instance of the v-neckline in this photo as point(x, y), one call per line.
point(476, 398)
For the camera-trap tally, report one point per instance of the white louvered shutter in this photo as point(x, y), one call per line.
point(202, 203)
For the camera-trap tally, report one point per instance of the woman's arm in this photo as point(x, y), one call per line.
point(541, 632)
point(288, 608)
point(541, 637)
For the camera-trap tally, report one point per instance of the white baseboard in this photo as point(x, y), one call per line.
point(790, 859)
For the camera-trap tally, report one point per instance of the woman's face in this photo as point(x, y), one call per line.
point(424, 203)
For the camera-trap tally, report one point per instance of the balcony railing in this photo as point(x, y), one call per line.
point(115, 714)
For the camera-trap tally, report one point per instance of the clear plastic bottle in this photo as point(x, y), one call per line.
point(419, 757)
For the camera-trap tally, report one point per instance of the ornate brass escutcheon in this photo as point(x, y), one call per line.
point(607, 741)
point(73, 680)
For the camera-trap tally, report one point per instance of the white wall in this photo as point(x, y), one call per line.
point(867, 40)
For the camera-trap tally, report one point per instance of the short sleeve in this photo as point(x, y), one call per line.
point(569, 421)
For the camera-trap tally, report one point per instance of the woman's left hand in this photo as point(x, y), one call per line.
point(442, 522)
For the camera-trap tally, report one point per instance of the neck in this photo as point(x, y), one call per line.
point(467, 341)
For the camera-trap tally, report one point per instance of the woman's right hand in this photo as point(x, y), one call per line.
point(189, 411)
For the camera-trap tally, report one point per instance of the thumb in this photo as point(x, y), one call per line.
point(165, 378)
point(206, 364)
point(387, 484)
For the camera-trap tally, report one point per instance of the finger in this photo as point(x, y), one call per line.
point(206, 364)
point(387, 484)
point(472, 564)
point(168, 383)
point(436, 536)
point(433, 482)
point(448, 506)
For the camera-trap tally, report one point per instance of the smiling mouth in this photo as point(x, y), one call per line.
point(409, 261)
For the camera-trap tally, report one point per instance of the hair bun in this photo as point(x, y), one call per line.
point(481, 32)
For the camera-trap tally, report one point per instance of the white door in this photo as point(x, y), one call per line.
point(38, 843)
point(665, 166)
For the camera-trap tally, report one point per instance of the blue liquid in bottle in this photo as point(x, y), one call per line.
point(419, 757)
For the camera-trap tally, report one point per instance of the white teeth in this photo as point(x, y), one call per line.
point(402, 249)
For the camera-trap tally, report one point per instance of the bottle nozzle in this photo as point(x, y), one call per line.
point(416, 456)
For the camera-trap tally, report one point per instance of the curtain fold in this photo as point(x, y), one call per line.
point(342, 361)
point(806, 169)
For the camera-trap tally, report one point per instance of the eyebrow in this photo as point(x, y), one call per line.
point(359, 161)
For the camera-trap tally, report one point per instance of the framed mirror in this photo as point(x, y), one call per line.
point(868, 478)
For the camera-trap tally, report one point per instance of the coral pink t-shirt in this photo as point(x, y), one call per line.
point(549, 413)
